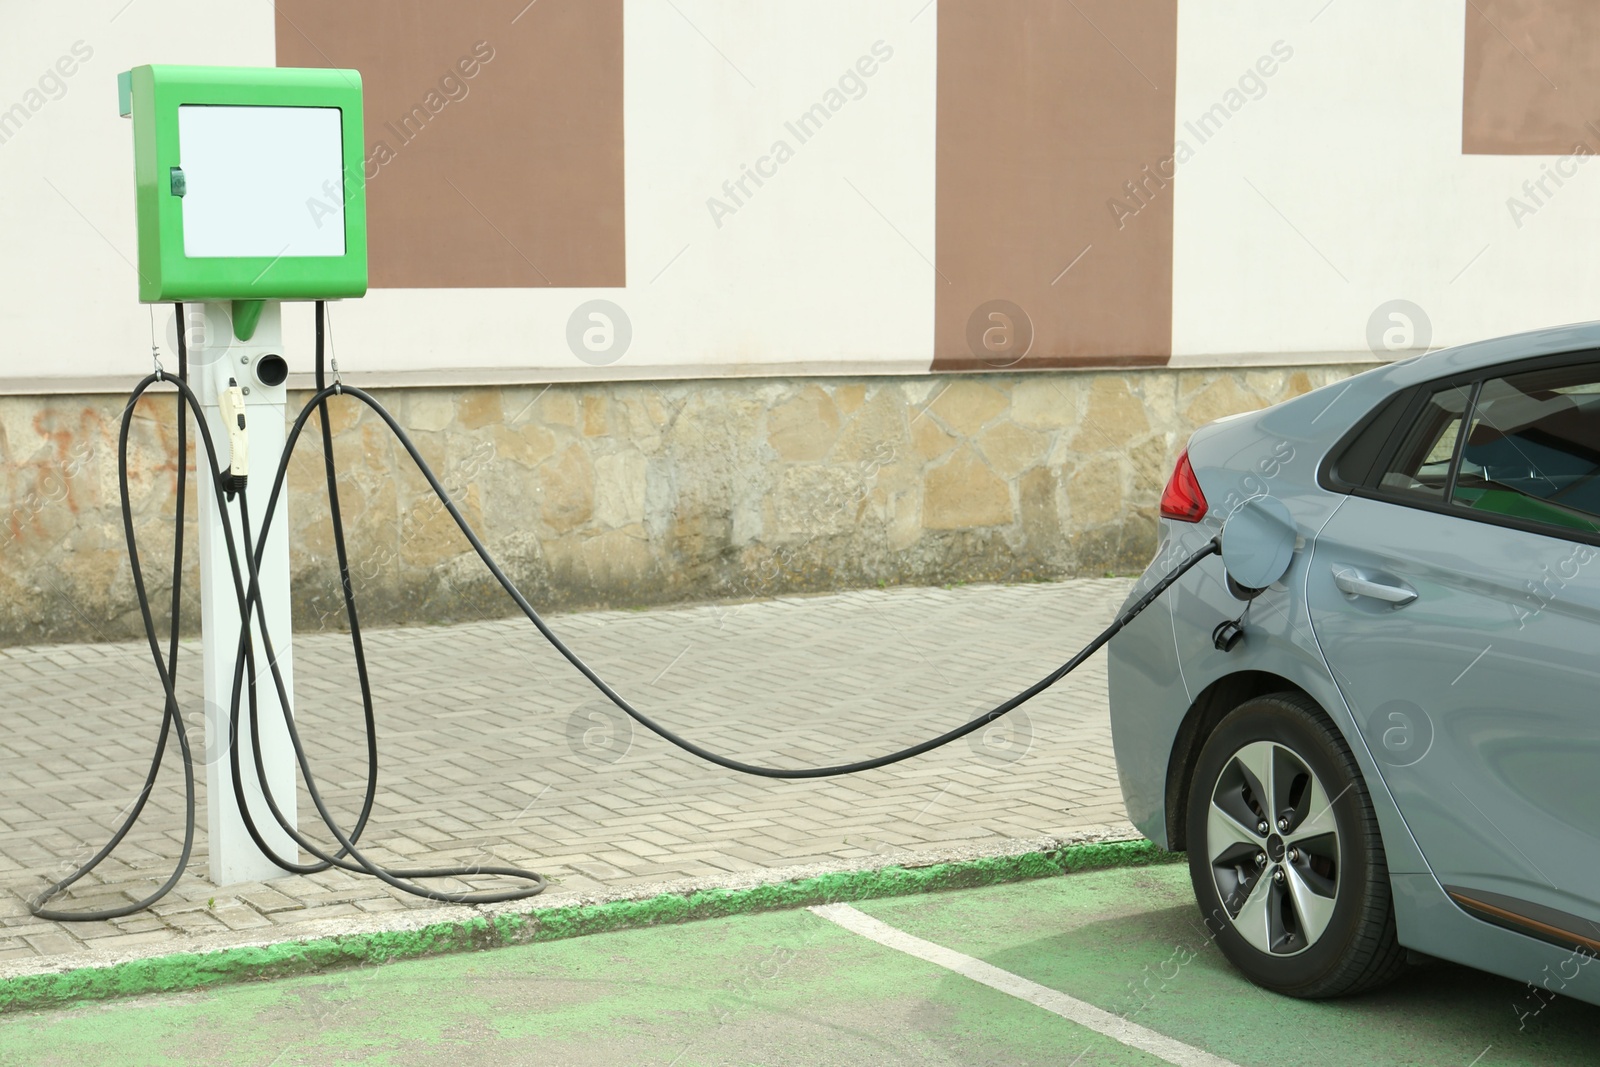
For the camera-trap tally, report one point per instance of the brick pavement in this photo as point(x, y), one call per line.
point(494, 750)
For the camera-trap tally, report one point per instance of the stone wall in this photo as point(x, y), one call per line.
point(638, 493)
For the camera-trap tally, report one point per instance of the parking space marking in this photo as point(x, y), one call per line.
point(1070, 1008)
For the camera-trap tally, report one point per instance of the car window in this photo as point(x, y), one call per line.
point(1533, 449)
point(1421, 466)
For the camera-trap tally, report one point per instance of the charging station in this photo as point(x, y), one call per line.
point(248, 188)
point(249, 192)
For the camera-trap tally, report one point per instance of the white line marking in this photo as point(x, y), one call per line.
point(930, 403)
point(670, 262)
point(1334, 401)
point(1070, 1008)
point(1470, 262)
point(673, 664)
point(930, 803)
point(1074, 263)
point(1473, 664)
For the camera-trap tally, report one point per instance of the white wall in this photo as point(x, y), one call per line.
point(1357, 143)
point(67, 243)
point(806, 271)
point(1341, 188)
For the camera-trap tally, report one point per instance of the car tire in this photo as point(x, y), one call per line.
point(1296, 891)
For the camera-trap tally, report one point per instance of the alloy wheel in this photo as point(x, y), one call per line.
point(1274, 849)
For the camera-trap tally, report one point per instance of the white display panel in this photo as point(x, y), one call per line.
point(262, 181)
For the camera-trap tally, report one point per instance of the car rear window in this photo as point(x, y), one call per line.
point(1532, 450)
point(1421, 466)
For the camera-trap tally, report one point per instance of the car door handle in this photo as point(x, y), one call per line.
point(1351, 582)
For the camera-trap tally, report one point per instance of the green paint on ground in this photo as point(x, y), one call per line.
point(787, 987)
point(186, 971)
point(1133, 943)
point(775, 988)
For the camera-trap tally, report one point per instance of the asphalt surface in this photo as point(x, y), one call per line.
point(1124, 946)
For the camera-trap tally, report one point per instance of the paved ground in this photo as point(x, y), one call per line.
point(493, 748)
point(1072, 957)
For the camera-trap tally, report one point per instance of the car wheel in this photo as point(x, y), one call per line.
point(1285, 853)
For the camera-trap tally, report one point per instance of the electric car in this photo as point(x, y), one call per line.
point(1393, 749)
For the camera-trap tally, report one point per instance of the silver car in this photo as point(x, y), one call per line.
point(1379, 734)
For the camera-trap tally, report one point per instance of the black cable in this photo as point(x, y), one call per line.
point(245, 680)
point(393, 877)
point(346, 587)
point(1212, 547)
point(171, 719)
point(252, 615)
point(246, 669)
point(397, 877)
point(245, 600)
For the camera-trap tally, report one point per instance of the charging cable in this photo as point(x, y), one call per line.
point(244, 570)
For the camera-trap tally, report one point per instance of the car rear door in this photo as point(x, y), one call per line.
point(1456, 599)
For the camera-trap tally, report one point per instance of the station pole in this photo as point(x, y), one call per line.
point(219, 361)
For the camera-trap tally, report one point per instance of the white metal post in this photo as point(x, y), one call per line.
point(216, 360)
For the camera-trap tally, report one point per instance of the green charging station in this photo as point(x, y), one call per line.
point(249, 190)
point(249, 184)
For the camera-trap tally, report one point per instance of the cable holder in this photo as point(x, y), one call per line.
point(155, 349)
point(323, 322)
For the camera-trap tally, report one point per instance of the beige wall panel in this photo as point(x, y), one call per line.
point(1531, 78)
point(1045, 111)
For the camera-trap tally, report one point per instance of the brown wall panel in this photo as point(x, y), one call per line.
point(1046, 110)
point(1531, 77)
point(495, 151)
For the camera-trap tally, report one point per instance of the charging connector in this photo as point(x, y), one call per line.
point(1229, 632)
point(231, 401)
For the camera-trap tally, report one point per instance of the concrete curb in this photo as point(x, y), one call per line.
point(185, 971)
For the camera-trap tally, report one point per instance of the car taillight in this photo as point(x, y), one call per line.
point(1182, 499)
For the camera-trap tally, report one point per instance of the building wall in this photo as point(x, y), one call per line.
point(844, 187)
point(1081, 227)
point(623, 494)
